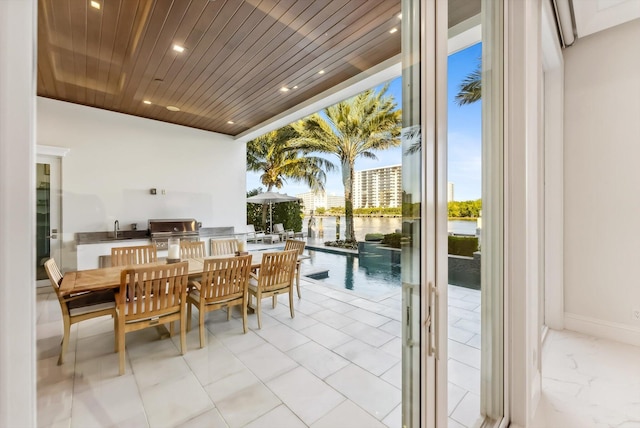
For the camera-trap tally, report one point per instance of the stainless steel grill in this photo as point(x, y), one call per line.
point(161, 230)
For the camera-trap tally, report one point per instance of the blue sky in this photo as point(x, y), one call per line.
point(464, 139)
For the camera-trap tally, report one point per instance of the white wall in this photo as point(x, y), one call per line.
point(114, 160)
point(17, 214)
point(602, 183)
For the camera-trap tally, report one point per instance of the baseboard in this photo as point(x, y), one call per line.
point(605, 329)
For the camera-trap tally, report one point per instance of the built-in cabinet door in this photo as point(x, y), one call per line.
point(48, 233)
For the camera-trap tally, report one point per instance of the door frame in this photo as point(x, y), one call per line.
point(53, 156)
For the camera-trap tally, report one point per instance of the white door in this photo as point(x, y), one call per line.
point(48, 203)
point(424, 223)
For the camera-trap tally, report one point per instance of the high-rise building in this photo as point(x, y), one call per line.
point(450, 196)
point(319, 199)
point(378, 187)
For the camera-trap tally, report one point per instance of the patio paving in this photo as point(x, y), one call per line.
point(337, 363)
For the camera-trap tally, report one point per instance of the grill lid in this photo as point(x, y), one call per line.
point(168, 227)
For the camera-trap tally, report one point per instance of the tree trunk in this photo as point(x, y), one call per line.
point(264, 212)
point(347, 181)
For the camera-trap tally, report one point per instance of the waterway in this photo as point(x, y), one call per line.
point(384, 225)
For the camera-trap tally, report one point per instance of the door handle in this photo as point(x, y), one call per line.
point(409, 315)
point(433, 301)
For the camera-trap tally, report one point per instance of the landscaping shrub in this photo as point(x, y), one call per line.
point(373, 237)
point(392, 240)
point(463, 245)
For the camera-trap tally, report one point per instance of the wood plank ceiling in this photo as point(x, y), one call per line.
point(238, 54)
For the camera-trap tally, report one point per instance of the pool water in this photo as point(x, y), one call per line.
point(346, 271)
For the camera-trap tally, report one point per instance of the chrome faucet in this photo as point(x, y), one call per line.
point(116, 228)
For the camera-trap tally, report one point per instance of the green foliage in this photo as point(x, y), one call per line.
point(321, 210)
point(463, 245)
point(336, 211)
point(463, 209)
point(288, 213)
point(373, 237)
point(378, 211)
point(392, 239)
point(348, 244)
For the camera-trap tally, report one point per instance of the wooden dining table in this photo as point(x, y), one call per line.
point(106, 278)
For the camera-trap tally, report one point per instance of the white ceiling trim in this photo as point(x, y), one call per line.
point(59, 152)
point(597, 15)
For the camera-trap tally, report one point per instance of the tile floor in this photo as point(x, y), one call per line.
point(588, 382)
point(337, 363)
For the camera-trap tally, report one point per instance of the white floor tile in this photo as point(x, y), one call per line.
point(464, 353)
point(331, 318)
point(317, 359)
point(366, 390)
point(394, 419)
point(247, 405)
point(326, 336)
point(467, 412)
point(349, 415)
point(282, 337)
point(209, 419)
point(213, 363)
point(175, 401)
point(464, 376)
point(394, 376)
point(266, 361)
point(306, 395)
point(366, 356)
point(280, 417)
point(367, 317)
point(371, 335)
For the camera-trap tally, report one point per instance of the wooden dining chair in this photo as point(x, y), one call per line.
point(192, 250)
point(224, 284)
point(79, 307)
point(125, 256)
point(149, 296)
point(224, 247)
point(274, 277)
point(294, 244)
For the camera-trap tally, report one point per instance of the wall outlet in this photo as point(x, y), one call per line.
point(635, 314)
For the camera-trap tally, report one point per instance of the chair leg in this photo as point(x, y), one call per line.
point(183, 329)
point(115, 333)
point(229, 312)
point(188, 316)
point(244, 317)
point(121, 339)
point(298, 280)
point(65, 339)
point(274, 301)
point(291, 302)
point(259, 309)
point(171, 328)
point(201, 313)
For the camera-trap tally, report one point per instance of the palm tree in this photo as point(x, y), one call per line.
point(270, 155)
point(350, 129)
point(470, 89)
point(469, 92)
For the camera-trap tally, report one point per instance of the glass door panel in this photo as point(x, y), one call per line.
point(47, 215)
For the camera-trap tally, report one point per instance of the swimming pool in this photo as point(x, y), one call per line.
point(347, 271)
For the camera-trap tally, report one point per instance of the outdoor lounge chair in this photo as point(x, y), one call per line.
point(254, 235)
point(280, 230)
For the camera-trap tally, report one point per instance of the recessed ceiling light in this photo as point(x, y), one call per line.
point(147, 102)
point(284, 89)
point(399, 16)
point(321, 72)
point(230, 122)
point(173, 108)
point(393, 30)
point(178, 48)
point(295, 87)
point(95, 4)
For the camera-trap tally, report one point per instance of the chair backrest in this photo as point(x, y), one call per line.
point(277, 270)
point(225, 279)
point(154, 291)
point(223, 247)
point(124, 256)
point(54, 274)
point(192, 249)
point(278, 228)
point(294, 244)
